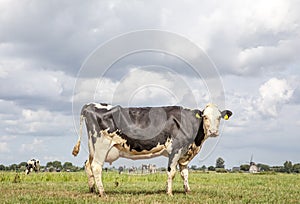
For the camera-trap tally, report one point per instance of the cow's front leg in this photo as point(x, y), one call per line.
point(89, 172)
point(173, 161)
point(184, 172)
point(171, 174)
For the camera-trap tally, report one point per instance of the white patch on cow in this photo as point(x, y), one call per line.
point(94, 133)
point(112, 155)
point(185, 176)
point(168, 147)
point(189, 155)
point(211, 120)
point(176, 158)
point(114, 137)
point(100, 106)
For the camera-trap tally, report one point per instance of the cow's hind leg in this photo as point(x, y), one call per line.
point(102, 147)
point(185, 175)
point(89, 172)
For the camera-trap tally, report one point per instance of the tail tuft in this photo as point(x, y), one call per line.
point(77, 146)
point(76, 149)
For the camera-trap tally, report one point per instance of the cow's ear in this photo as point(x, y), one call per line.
point(226, 114)
point(198, 114)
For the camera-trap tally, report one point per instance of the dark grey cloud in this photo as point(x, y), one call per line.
point(61, 34)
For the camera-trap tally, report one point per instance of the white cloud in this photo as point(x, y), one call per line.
point(7, 137)
point(43, 44)
point(35, 146)
point(273, 95)
point(38, 123)
point(142, 87)
point(4, 148)
point(27, 79)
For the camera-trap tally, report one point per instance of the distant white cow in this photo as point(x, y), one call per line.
point(152, 168)
point(32, 165)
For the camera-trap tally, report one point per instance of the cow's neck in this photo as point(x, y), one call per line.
point(200, 134)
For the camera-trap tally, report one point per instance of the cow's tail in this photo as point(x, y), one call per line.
point(77, 146)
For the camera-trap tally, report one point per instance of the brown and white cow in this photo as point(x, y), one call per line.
point(140, 133)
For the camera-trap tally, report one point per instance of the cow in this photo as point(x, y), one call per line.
point(146, 132)
point(32, 165)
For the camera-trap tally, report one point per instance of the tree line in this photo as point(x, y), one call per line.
point(53, 166)
point(287, 167)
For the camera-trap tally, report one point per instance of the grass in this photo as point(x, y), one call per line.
point(206, 188)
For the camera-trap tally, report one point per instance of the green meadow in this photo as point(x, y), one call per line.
point(67, 187)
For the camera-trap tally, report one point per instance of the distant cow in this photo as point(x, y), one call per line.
point(32, 165)
point(140, 133)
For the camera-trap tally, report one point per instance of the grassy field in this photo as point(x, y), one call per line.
point(206, 188)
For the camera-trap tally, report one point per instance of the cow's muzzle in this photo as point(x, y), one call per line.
point(213, 133)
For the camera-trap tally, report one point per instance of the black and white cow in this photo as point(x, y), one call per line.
point(140, 133)
point(32, 165)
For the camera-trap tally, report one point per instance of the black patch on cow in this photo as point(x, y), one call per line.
point(200, 134)
point(169, 169)
point(177, 124)
point(140, 145)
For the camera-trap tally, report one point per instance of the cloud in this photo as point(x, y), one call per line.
point(273, 95)
point(4, 148)
point(43, 44)
point(144, 86)
point(36, 123)
point(26, 83)
point(35, 146)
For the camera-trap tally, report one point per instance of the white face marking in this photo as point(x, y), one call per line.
point(211, 120)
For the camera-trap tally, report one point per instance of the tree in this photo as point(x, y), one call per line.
point(288, 166)
point(263, 167)
point(22, 164)
point(194, 167)
point(67, 165)
point(277, 169)
point(211, 168)
point(245, 167)
point(2, 167)
point(203, 168)
point(49, 164)
point(296, 168)
point(57, 164)
point(13, 167)
point(220, 163)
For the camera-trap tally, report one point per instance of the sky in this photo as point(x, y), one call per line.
point(55, 57)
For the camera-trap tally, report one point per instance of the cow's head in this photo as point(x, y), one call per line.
point(211, 119)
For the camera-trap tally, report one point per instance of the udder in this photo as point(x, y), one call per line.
point(112, 155)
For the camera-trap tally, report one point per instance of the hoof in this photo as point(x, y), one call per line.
point(102, 195)
point(187, 189)
point(92, 190)
point(170, 194)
